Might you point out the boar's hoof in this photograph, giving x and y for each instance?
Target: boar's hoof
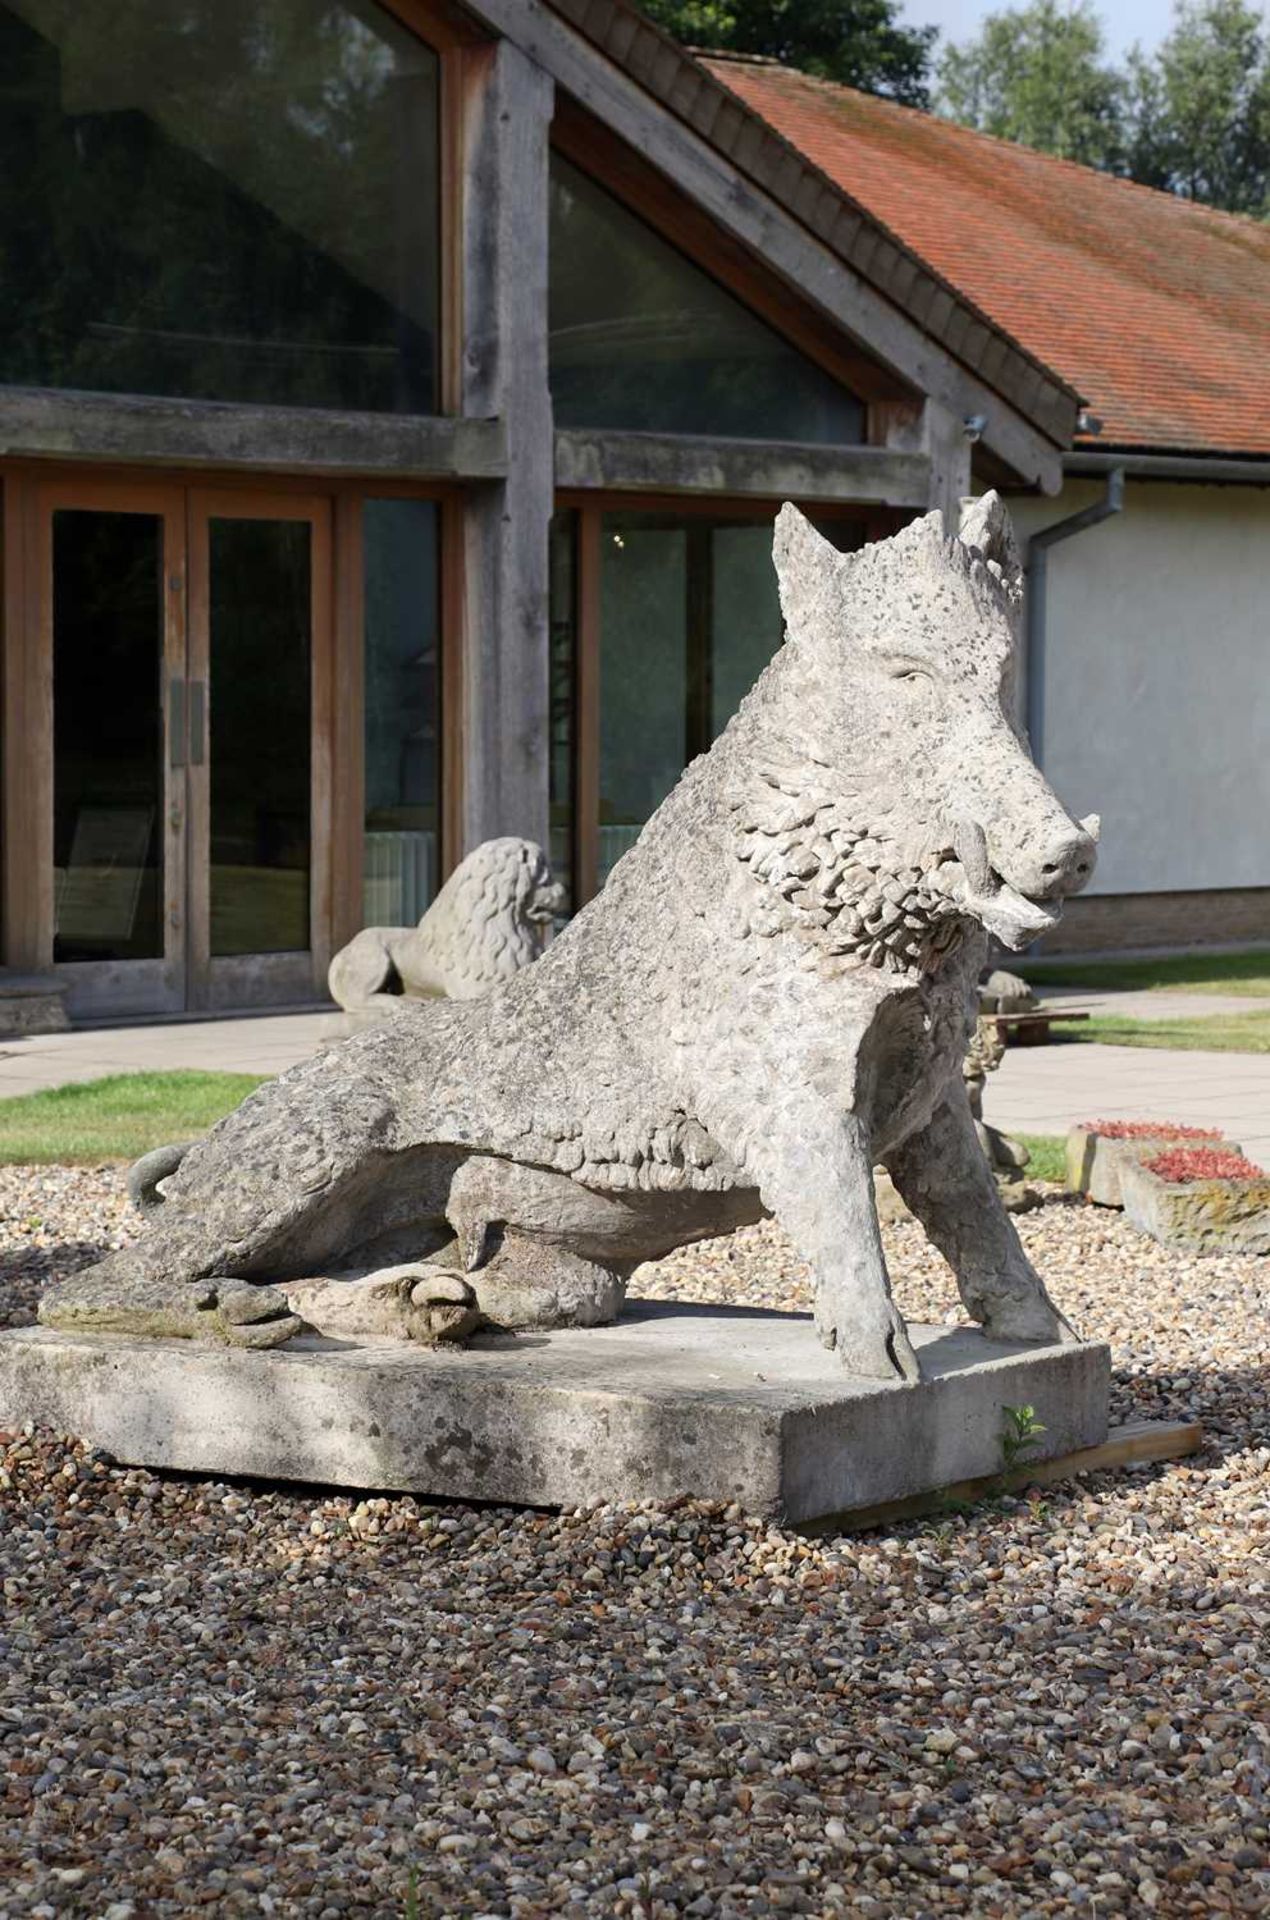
(1038, 1321)
(880, 1352)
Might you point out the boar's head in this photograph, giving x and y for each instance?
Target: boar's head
(894, 698)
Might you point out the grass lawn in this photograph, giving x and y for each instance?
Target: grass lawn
(118, 1118)
(1247, 972)
(1213, 1033)
(1048, 1158)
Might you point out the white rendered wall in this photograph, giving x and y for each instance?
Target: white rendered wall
(1157, 681)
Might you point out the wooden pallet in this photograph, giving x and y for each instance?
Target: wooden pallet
(1139, 1443)
(1031, 1029)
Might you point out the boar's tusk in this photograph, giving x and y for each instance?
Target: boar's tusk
(1092, 825)
(971, 847)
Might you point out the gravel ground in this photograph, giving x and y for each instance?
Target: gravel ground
(249, 1701)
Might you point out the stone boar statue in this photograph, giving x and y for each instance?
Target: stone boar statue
(773, 993)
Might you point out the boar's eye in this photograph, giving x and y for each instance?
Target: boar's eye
(911, 672)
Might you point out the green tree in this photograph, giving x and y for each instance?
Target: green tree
(1199, 115)
(859, 42)
(1036, 74)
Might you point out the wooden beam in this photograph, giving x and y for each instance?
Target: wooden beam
(204, 433)
(1138, 1443)
(28, 744)
(681, 464)
(506, 636)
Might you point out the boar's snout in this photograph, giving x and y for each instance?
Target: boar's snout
(1061, 865)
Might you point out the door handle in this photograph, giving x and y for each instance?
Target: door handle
(176, 723)
(198, 722)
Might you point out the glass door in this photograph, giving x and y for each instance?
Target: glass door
(111, 608)
(259, 748)
(187, 642)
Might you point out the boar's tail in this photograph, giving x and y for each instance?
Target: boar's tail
(146, 1175)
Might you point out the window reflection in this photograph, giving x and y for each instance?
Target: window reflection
(403, 710)
(107, 776)
(222, 199)
(260, 632)
(689, 617)
(643, 339)
(563, 617)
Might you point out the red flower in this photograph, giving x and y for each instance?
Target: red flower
(1149, 1130)
(1181, 1165)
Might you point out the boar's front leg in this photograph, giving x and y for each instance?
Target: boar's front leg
(811, 1162)
(944, 1178)
(815, 1172)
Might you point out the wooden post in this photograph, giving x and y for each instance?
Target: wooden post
(28, 745)
(931, 429)
(506, 106)
(948, 445)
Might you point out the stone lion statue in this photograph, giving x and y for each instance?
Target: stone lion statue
(490, 919)
(773, 992)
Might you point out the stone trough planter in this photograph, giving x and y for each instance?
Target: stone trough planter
(1199, 1202)
(1098, 1149)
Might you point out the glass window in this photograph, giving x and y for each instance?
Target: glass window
(259, 633)
(219, 199)
(644, 676)
(745, 617)
(643, 339)
(562, 769)
(689, 617)
(401, 849)
(107, 740)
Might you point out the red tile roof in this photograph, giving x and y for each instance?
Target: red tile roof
(1156, 309)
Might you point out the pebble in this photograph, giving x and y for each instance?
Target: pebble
(245, 1700)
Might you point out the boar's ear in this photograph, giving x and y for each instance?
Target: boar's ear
(805, 562)
(985, 525)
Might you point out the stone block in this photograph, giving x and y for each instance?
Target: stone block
(1198, 1216)
(1095, 1162)
(723, 1404)
(29, 1004)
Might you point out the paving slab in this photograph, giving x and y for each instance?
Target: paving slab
(721, 1404)
(264, 1044)
(1155, 1003)
(1049, 1089)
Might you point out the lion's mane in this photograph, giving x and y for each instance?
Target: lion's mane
(476, 934)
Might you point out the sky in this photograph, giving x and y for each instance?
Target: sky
(1124, 21)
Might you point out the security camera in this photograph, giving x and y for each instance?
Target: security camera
(974, 424)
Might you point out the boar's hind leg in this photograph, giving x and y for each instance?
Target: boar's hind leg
(943, 1177)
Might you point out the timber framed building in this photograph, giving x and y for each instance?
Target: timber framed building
(394, 403)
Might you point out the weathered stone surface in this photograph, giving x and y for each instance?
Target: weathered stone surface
(1198, 1216)
(737, 1405)
(491, 918)
(772, 993)
(30, 1003)
(1095, 1163)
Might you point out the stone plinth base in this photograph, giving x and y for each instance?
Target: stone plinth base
(30, 1003)
(723, 1404)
